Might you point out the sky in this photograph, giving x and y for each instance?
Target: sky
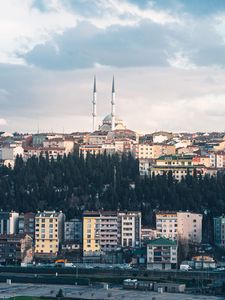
(167, 56)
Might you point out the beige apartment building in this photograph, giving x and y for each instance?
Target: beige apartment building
(153, 151)
(183, 226)
(49, 232)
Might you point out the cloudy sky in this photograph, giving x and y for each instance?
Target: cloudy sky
(168, 58)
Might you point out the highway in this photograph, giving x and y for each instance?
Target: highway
(106, 273)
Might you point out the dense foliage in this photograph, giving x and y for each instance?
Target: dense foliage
(73, 184)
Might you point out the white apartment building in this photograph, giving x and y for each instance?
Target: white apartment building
(8, 222)
(129, 228)
(185, 226)
(217, 160)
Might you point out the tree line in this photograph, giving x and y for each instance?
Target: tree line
(73, 184)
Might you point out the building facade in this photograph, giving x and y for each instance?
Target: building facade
(8, 222)
(183, 226)
(104, 231)
(161, 254)
(16, 248)
(26, 224)
(219, 231)
(49, 232)
(129, 227)
(73, 231)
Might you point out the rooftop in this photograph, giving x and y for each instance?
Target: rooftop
(162, 241)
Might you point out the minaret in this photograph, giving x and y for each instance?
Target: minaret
(113, 105)
(94, 114)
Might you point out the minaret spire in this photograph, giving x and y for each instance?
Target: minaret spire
(94, 102)
(113, 104)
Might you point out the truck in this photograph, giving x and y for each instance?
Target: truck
(185, 268)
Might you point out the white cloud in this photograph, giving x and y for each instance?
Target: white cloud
(181, 61)
(22, 27)
(124, 13)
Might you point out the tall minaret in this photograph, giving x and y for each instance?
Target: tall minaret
(113, 104)
(94, 113)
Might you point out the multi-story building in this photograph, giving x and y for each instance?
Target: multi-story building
(26, 224)
(129, 226)
(183, 226)
(91, 233)
(180, 166)
(49, 232)
(149, 234)
(106, 230)
(9, 152)
(219, 231)
(202, 160)
(217, 160)
(16, 248)
(161, 254)
(73, 231)
(51, 152)
(91, 149)
(153, 151)
(62, 143)
(8, 222)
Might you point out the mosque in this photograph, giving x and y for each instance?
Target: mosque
(111, 122)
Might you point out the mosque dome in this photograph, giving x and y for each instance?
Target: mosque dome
(108, 119)
(107, 123)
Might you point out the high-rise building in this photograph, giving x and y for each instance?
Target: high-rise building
(91, 230)
(129, 228)
(49, 232)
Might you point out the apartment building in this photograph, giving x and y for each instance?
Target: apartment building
(217, 160)
(153, 151)
(49, 232)
(51, 152)
(91, 233)
(26, 224)
(180, 166)
(219, 231)
(91, 149)
(73, 231)
(185, 226)
(66, 144)
(129, 228)
(9, 152)
(16, 248)
(106, 230)
(8, 222)
(161, 254)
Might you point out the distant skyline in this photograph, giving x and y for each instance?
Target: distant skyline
(168, 58)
